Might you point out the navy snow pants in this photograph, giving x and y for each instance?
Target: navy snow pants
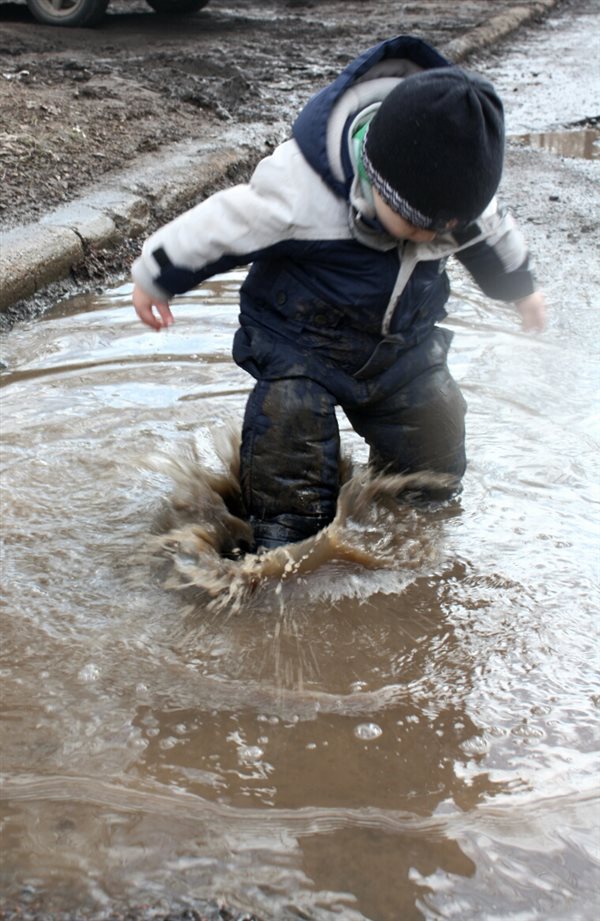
(290, 472)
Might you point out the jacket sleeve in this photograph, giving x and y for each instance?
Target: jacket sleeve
(230, 228)
(497, 257)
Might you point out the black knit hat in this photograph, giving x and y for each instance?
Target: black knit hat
(435, 147)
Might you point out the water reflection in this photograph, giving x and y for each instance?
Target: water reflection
(583, 143)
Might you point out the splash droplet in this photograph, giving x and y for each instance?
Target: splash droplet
(250, 754)
(89, 673)
(367, 731)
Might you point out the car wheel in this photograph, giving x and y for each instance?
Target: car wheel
(68, 12)
(176, 7)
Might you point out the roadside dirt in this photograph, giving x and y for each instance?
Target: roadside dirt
(77, 104)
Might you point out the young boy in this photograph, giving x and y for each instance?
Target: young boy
(348, 225)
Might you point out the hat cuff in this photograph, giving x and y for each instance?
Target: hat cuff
(393, 198)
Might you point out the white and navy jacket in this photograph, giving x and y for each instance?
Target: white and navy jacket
(323, 272)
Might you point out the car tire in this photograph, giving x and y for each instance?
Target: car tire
(68, 12)
(176, 7)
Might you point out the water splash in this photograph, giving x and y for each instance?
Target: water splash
(201, 528)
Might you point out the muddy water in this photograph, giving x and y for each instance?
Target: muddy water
(414, 740)
(583, 143)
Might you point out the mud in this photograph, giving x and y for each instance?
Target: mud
(29, 910)
(76, 104)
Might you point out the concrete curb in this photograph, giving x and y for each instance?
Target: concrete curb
(496, 28)
(35, 255)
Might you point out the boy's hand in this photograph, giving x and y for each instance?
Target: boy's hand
(144, 305)
(533, 312)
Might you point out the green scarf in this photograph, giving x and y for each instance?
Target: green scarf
(358, 139)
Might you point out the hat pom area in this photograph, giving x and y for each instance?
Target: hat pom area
(435, 148)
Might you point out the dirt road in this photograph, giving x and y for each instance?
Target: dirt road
(79, 105)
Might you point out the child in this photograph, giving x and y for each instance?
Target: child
(348, 225)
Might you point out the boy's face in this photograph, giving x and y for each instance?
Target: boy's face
(397, 226)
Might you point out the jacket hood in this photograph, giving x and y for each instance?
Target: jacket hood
(323, 123)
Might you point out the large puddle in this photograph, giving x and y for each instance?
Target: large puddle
(410, 742)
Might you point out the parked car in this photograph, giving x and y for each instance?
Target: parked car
(90, 12)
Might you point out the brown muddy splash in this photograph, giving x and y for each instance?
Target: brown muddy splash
(201, 528)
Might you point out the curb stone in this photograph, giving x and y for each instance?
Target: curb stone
(36, 255)
(495, 29)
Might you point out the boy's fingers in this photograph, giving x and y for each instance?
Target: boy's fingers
(146, 314)
(533, 312)
(166, 317)
(534, 320)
